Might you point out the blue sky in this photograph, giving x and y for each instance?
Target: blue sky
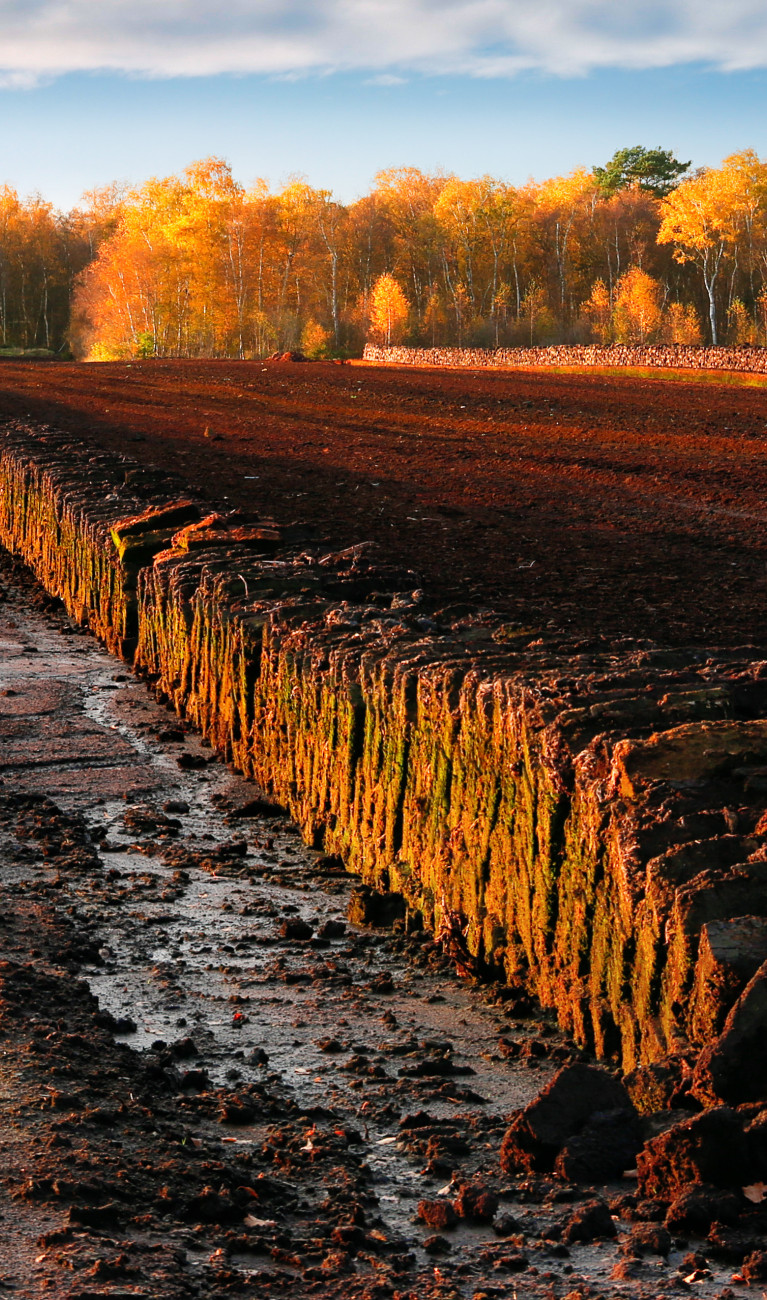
(97, 90)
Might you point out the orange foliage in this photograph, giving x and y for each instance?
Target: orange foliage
(638, 307)
(195, 265)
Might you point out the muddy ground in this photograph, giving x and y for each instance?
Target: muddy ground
(603, 507)
(213, 1082)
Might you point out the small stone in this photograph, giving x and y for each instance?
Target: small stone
(626, 1270)
(506, 1226)
(695, 1259)
(184, 1048)
(236, 1112)
(514, 1262)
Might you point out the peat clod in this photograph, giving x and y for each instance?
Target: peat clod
(476, 1203)
(699, 1205)
(590, 1222)
(708, 1148)
(755, 1267)
(607, 1145)
(438, 1214)
(567, 1125)
(734, 1067)
(730, 953)
(663, 1085)
(371, 907)
(647, 1239)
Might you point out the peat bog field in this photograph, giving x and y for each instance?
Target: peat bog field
(607, 507)
(229, 1068)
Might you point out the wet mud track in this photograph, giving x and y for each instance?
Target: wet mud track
(213, 1082)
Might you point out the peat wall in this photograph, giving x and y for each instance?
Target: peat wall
(587, 822)
(663, 356)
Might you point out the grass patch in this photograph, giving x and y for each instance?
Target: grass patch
(26, 354)
(733, 378)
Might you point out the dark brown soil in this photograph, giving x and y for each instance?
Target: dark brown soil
(246, 1110)
(123, 1169)
(600, 506)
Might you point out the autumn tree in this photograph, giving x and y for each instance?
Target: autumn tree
(315, 339)
(564, 208)
(187, 268)
(405, 198)
(389, 310)
(681, 324)
(477, 222)
(742, 328)
(34, 272)
(535, 315)
(638, 307)
(702, 219)
(749, 181)
(598, 310)
(195, 265)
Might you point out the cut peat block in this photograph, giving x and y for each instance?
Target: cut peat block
(584, 824)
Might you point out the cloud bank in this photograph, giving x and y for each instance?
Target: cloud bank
(384, 39)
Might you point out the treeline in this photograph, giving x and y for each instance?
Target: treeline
(637, 251)
(42, 253)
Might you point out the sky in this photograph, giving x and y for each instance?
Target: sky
(93, 91)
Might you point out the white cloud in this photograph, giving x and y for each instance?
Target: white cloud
(386, 79)
(384, 38)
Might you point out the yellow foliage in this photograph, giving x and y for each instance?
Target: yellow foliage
(101, 351)
(702, 212)
(314, 339)
(535, 314)
(389, 310)
(742, 324)
(566, 193)
(434, 316)
(681, 324)
(706, 216)
(599, 311)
